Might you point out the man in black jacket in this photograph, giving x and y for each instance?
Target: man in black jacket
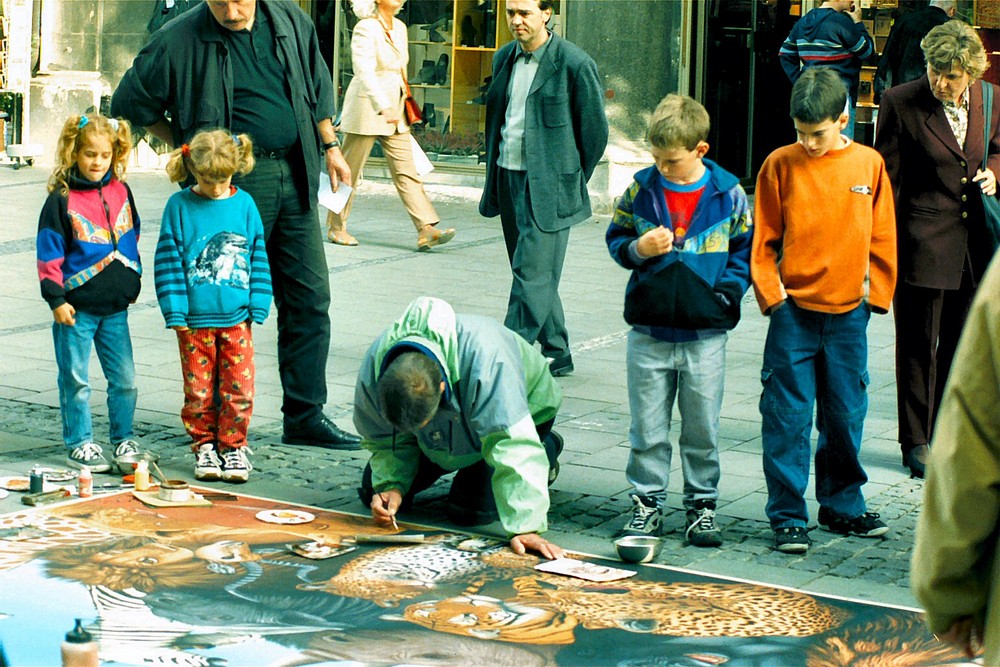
(902, 60)
(255, 66)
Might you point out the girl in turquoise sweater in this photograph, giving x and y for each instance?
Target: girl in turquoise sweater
(212, 281)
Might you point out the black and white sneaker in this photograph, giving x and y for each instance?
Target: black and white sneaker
(866, 525)
(91, 455)
(126, 447)
(236, 466)
(792, 540)
(701, 530)
(646, 516)
(208, 465)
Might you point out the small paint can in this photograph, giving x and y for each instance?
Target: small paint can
(36, 480)
(174, 491)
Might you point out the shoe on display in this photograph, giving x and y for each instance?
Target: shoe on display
(427, 73)
(429, 115)
(441, 70)
(468, 32)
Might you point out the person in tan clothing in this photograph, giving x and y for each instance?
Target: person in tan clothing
(373, 111)
(823, 259)
(954, 572)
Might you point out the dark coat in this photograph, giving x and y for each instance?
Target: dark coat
(185, 70)
(902, 59)
(939, 212)
(566, 133)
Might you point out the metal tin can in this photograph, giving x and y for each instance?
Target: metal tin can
(36, 481)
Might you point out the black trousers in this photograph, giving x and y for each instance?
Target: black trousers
(300, 280)
(471, 490)
(928, 326)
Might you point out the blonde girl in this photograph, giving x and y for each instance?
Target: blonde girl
(89, 269)
(212, 281)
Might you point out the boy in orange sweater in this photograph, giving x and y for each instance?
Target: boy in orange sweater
(823, 259)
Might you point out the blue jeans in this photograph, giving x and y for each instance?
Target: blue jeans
(693, 374)
(110, 336)
(814, 358)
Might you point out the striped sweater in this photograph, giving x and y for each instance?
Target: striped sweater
(825, 37)
(211, 268)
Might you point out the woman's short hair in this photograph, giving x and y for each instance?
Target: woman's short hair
(955, 43)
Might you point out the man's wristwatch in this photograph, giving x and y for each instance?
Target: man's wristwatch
(331, 144)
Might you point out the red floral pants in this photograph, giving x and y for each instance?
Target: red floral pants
(222, 358)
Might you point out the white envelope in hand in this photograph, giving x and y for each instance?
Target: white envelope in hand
(328, 199)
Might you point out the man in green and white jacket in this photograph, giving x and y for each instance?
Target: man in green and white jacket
(439, 392)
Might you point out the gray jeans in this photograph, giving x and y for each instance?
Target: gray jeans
(694, 374)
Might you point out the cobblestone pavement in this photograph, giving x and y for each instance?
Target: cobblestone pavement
(371, 285)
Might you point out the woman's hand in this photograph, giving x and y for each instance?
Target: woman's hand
(389, 116)
(987, 181)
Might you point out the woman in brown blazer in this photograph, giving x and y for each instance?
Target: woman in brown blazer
(930, 132)
(373, 111)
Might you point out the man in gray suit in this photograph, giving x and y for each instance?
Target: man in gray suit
(545, 132)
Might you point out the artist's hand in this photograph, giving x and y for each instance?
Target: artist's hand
(385, 505)
(64, 314)
(337, 167)
(655, 242)
(987, 181)
(966, 634)
(521, 543)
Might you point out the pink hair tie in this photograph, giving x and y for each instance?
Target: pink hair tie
(185, 150)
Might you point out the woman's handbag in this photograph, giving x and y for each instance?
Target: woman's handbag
(991, 205)
(410, 105)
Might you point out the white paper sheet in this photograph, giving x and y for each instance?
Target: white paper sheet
(328, 199)
(420, 160)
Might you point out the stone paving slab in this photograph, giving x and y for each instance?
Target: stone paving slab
(371, 285)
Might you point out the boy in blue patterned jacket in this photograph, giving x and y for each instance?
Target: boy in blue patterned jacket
(684, 229)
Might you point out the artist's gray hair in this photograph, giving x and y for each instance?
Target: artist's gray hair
(367, 9)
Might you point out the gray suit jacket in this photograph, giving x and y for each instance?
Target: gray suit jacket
(565, 135)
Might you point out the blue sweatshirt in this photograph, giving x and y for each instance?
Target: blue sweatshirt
(211, 268)
(694, 290)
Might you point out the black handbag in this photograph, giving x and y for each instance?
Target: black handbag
(991, 205)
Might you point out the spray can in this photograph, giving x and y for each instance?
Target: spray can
(36, 480)
(79, 649)
(142, 476)
(86, 482)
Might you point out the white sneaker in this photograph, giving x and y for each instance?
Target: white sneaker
(236, 466)
(91, 455)
(208, 466)
(126, 447)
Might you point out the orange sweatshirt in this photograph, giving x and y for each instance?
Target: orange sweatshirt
(822, 226)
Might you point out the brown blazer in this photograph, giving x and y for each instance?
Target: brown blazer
(939, 213)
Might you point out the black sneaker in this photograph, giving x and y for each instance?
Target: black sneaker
(792, 540)
(701, 529)
(866, 525)
(646, 517)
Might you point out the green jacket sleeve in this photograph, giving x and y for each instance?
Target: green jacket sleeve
(520, 478)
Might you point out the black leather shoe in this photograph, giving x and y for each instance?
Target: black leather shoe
(916, 460)
(320, 432)
(562, 366)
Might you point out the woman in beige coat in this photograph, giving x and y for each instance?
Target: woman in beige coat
(373, 110)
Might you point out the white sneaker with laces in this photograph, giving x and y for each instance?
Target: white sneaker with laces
(126, 447)
(91, 455)
(208, 465)
(236, 465)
